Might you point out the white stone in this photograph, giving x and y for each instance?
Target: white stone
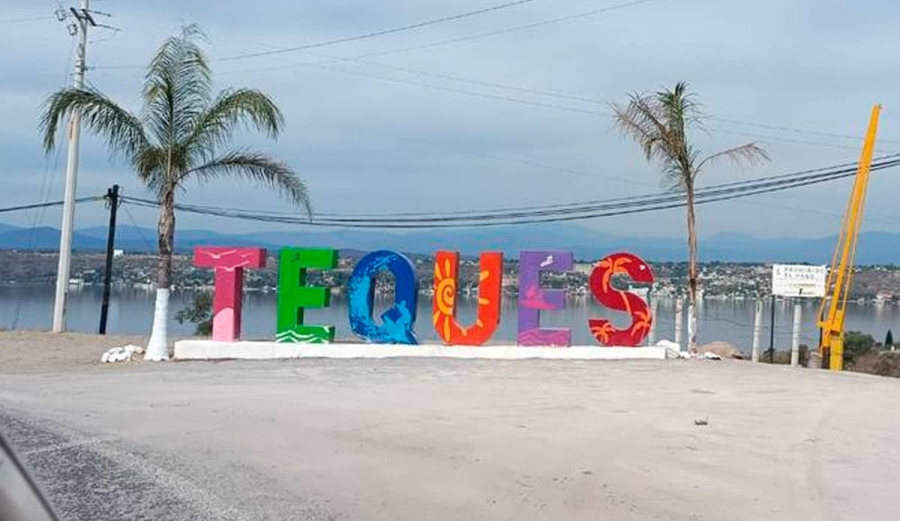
(668, 344)
(120, 354)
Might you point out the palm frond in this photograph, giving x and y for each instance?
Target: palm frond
(256, 167)
(750, 154)
(151, 165)
(177, 86)
(123, 131)
(231, 110)
(642, 120)
(680, 107)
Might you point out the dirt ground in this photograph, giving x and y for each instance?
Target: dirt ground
(43, 352)
(448, 440)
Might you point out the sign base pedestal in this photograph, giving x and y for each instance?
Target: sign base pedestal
(250, 350)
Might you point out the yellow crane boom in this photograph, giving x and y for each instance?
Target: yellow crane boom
(831, 323)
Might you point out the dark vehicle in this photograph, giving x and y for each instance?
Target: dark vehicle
(20, 498)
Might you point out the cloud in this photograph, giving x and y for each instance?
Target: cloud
(373, 138)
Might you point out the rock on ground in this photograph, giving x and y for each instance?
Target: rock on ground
(723, 349)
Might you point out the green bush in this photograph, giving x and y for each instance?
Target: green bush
(856, 344)
(198, 313)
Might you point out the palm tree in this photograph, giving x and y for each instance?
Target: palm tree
(177, 137)
(658, 122)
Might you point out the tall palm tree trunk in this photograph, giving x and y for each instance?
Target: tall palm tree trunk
(692, 271)
(158, 347)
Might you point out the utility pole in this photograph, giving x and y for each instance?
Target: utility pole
(757, 330)
(679, 316)
(651, 336)
(772, 331)
(112, 196)
(795, 336)
(83, 20)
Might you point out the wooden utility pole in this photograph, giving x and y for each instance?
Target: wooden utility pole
(112, 199)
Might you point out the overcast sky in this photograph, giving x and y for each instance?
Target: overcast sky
(370, 137)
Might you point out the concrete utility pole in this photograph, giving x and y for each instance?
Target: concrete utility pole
(757, 331)
(679, 315)
(651, 336)
(83, 20)
(795, 337)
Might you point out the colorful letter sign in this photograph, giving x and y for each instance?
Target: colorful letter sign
(620, 300)
(446, 280)
(229, 264)
(533, 299)
(396, 325)
(294, 295)
(398, 321)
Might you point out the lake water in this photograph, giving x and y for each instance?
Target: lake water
(131, 312)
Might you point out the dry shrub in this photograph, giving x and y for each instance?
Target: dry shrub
(883, 364)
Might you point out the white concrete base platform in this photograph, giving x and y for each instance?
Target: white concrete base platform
(249, 350)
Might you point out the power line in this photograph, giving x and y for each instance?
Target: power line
(134, 223)
(581, 173)
(358, 59)
(364, 36)
(763, 137)
(420, 24)
(463, 91)
(373, 34)
(46, 204)
(802, 175)
(792, 129)
(26, 19)
(533, 25)
(331, 59)
(542, 104)
(553, 213)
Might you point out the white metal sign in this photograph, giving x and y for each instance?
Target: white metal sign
(798, 280)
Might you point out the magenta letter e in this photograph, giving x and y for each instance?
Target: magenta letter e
(532, 299)
(229, 264)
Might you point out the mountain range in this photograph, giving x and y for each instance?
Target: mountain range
(874, 247)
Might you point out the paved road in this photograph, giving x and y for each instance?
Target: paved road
(445, 439)
(89, 479)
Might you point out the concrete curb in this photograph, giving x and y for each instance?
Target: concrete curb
(247, 350)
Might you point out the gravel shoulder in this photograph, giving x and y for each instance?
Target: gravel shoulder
(30, 352)
(455, 439)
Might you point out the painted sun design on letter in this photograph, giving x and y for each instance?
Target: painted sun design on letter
(445, 301)
(444, 298)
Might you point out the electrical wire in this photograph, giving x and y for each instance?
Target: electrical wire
(47, 179)
(815, 173)
(358, 59)
(26, 19)
(581, 173)
(784, 128)
(331, 59)
(134, 223)
(555, 213)
(373, 34)
(358, 37)
(47, 204)
(524, 27)
(579, 110)
(523, 217)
